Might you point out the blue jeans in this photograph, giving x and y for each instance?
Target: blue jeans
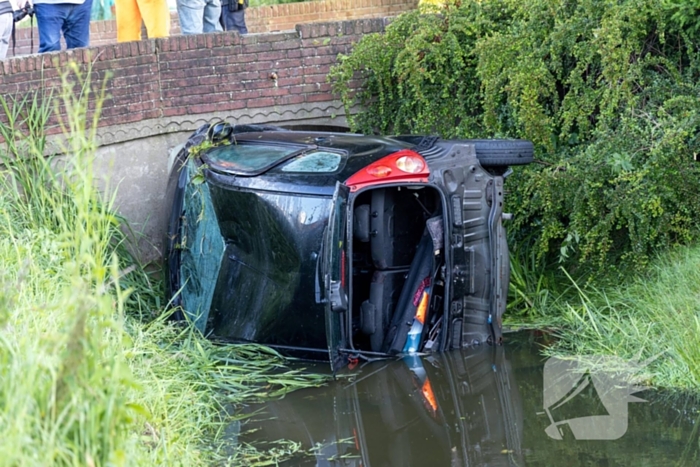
(198, 16)
(71, 19)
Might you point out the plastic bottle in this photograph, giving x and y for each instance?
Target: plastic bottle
(413, 339)
(416, 331)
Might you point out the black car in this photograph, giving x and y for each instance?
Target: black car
(362, 245)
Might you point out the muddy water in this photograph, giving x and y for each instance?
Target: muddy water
(477, 408)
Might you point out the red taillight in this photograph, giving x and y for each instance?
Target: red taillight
(410, 164)
(379, 171)
(402, 166)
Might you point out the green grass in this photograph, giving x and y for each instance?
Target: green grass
(530, 288)
(87, 381)
(655, 317)
(651, 314)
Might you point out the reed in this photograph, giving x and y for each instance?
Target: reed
(654, 318)
(87, 381)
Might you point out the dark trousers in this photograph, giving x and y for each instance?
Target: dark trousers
(233, 20)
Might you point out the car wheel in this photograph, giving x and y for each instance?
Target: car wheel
(503, 152)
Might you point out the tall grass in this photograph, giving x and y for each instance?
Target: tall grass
(85, 381)
(530, 290)
(656, 318)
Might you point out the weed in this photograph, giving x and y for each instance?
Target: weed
(87, 380)
(655, 317)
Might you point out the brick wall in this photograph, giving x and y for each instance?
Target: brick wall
(285, 17)
(181, 76)
(259, 20)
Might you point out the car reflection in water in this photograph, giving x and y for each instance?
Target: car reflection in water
(459, 408)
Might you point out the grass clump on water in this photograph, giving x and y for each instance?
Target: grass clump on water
(87, 381)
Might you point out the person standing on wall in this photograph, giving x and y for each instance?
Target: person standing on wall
(70, 17)
(154, 13)
(7, 20)
(198, 16)
(233, 15)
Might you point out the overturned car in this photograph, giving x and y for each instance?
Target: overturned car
(363, 246)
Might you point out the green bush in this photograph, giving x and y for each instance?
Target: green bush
(607, 90)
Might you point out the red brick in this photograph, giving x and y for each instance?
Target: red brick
(227, 51)
(202, 108)
(320, 97)
(233, 105)
(269, 56)
(285, 45)
(291, 99)
(172, 112)
(256, 48)
(320, 60)
(273, 92)
(288, 82)
(260, 102)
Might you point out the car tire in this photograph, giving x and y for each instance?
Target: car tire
(503, 152)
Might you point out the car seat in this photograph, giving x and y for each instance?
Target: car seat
(393, 237)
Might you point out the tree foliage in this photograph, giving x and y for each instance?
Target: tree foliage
(606, 89)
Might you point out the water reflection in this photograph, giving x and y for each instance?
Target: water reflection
(468, 408)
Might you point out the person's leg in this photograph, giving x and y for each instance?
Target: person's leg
(6, 22)
(76, 28)
(238, 21)
(222, 16)
(49, 21)
(226, 15)
(128, 20)
(212, 13)
(234, 20)
(191, 14)
(156, 16)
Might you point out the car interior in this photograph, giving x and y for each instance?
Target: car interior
(396, 250)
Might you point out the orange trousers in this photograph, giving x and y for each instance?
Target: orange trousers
(154, 13)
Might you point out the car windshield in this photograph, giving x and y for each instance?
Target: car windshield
(248, 157)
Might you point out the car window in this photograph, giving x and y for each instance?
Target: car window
(314, 162)
(248, 157)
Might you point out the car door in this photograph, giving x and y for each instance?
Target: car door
(333, 274)
(477, 267)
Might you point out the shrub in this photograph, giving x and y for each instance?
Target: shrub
(605, 89)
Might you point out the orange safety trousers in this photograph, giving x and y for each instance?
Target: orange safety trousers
(154, 13)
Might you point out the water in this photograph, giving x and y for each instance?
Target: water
(472, 408)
